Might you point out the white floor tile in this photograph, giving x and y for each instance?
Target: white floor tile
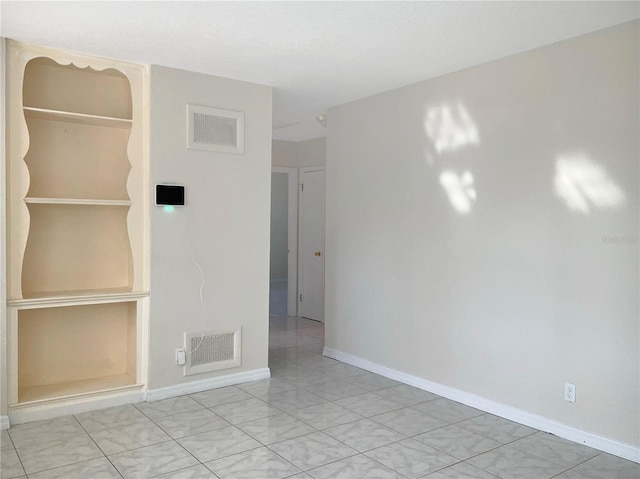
(152, 461)
(213, 445)
(411, 458)
(312, 450)
(99, 468)
(261, 463)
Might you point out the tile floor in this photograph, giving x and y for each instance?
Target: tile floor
(316, 418)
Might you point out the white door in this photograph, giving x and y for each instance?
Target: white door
(311, 250)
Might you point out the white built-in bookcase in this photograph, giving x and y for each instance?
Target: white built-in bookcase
(77, 262)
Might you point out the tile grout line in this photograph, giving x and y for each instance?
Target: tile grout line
(228, 455)
(364, 453)
(191, 435)
(99, 448)
(194, 458)
(127, 450)
(17, 454)
(579, 464)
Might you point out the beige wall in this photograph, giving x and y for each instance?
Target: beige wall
(290, 154)
(224, 225)
(3, 249)
(284, 153)
(482, 232)
(312, 152)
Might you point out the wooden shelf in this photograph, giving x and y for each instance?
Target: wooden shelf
(76, 201)
(75, 388)
(71, 117)
(78, 297)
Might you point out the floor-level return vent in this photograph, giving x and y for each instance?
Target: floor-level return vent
(212, 351)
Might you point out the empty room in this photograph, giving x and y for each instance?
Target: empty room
(346, 240)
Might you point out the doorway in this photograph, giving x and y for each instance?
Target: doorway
(283, 254)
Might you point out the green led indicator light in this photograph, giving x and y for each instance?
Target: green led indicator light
(169, 208)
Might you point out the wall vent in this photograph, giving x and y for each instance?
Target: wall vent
(213, 129)
(214, 351)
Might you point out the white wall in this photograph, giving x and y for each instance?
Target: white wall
(279, 264)
(299, 154)
(469, 231)
(224, 226)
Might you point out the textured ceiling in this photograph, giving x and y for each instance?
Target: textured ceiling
(315, 54)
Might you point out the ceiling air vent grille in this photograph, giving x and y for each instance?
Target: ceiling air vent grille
(212, 351)
(213, 129)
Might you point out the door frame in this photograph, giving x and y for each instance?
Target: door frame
(292, 238)
(308, 169)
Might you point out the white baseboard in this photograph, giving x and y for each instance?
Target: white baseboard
(620, 449)
(204, 384)
(38, 412)
(41, 411)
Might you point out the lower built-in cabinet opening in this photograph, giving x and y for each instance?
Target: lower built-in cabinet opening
(73, 249)
(71, 350)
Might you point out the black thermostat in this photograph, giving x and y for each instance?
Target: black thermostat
(169, 195)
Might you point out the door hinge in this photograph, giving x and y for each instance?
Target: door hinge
(300, 297)
(302, 186)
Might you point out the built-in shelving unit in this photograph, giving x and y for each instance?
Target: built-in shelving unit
(78, 269)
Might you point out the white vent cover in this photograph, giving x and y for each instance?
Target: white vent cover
(212, 351)
(213, 129)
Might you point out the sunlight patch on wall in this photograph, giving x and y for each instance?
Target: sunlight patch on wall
(584, 185)
(460, 189)
(450, 127)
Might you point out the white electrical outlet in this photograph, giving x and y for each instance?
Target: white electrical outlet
(181, 357)
(569, 392)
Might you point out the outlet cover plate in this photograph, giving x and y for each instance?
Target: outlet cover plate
(570, 392)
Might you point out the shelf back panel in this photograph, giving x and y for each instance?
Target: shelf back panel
(76, 248)
(71, 160)
(65, 346)
(50, 85)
